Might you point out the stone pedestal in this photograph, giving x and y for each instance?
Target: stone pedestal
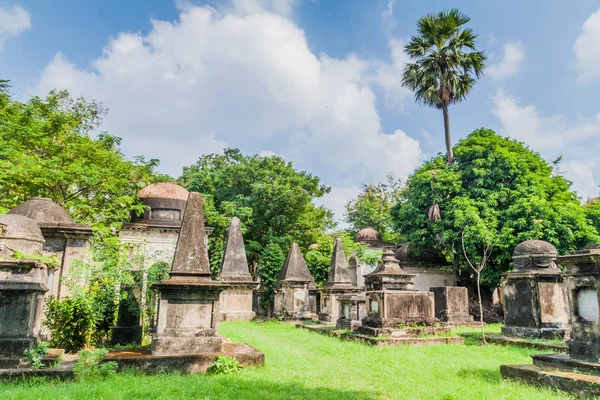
(188, 315)
(236, 302)
(352, 311)
(22, 288)
(452, 304)
(534, 298)
(390, 304)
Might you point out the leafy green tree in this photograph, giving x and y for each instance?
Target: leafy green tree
(273, 201)
(592, 210)
(499, 193)
(48, 150)
(444, 70)
(372, 208)
(271, 261)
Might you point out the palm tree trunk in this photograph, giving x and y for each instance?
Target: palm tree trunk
(447, 134)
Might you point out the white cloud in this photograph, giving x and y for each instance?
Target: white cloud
(13, 22)
(509, 64)
(555, 135)
(581, 173)
(389, 75)
(587, 49)
(284, 8)
(336, 201)
(213, 79)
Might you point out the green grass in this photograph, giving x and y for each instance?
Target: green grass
(306, 365)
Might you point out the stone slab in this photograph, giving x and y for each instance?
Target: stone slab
(381, 341)
(527, 343)
(247, 355)
(565, 363)
(580, 385)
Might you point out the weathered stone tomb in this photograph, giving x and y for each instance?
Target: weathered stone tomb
(22, 284)
(236, 300)
(389, 301)
(188, 310)
(292, 287)
(534, 298)
(338, 284)
(452, 305)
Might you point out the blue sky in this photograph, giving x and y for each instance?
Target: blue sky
(316, 82)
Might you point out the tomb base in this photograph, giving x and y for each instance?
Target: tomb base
(124, 335)
(16, 346)
(548, 332)
(558, 371)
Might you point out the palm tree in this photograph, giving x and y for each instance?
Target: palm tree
(444, 70)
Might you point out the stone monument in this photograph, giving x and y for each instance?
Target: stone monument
(22, 284)
(65, 239)
(338, 284)
(292, 287)
(389, 301)
(452, 305)
(578, 371)
(236, 300)
(534, 298)
(188, 310)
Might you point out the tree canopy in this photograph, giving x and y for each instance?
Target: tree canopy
(498, 193)
(446, 63)
(371, 208)
(48, 150)
(273, 200)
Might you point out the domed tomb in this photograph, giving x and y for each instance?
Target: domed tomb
(19, 233)
(166, 201)
(44, 212)
(533, 254)
(407, 253)
(65, 239)
(368, 235)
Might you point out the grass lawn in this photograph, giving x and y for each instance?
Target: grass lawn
(306, 365)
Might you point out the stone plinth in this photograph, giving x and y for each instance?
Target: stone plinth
(390, 303)
(534, 299)
(352, 311)
(188, 315)
(22, 288)
(452, 304)
(236, 301)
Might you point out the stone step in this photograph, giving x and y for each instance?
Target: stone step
(581, 385)
(565, 363)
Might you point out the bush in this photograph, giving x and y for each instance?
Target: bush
(90, 365)
(34, 356)
(71, 322)
(224, 365)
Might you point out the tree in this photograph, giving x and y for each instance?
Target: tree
(372, 208)
(502, 191)
(443, 73)
(273, 201)
(48, 150)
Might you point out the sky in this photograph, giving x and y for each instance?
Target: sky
(316, 82)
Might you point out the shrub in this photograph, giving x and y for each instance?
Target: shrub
(34, 356)
(71, 322)
(90, 365)
(224, 365)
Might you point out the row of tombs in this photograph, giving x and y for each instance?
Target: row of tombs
(402, 290)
